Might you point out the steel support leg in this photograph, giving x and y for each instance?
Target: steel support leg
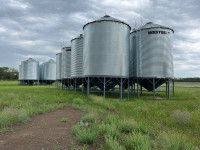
(121, 89)
(131, 87)
(68, 84)
(173, 86)
(154, 88)
(104, 87)
(82, 85)
(138, 95)
(88, 87)
(128, 87)
(75, 84)
(168, 88)
(141, 89)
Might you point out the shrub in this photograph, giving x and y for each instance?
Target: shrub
(111, 119)
(64, 120)
(105, 103)
(172, 141)
(90, 117)
(109, 130)
(127, 126)
(112, 143)
(181, 117)
(10, 116)
(78, 101)
(137, 141)
(84, 135)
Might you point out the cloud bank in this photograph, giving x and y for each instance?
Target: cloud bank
(37, 28)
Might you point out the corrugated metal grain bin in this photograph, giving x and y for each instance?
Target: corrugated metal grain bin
(106, 48)
(50, 70)
(30, 69)
(77, 56)
(42, 71)
(20, 72)
(58, 66)
(66, 62)
(152, 51)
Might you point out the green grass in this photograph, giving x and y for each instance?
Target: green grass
(157, 124)
(84, 135)
(18, 103)
(137, 141)
(112, 144)
(128, 125)
(64, 120)
(90, 117)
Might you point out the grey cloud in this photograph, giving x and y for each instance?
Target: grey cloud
(37, 28)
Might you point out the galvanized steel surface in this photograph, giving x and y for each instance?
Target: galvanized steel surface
(50, 70)
(107, 18)
(59, 66)
(20, 72)
(152, 54)
(42, 71)
(106, 48)
(66, 62)
(30, 69)
(77, 57)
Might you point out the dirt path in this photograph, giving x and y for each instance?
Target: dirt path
(43, 132)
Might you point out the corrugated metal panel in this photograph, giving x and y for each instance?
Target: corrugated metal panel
(30, 69)
(151, 25)
(66, 62)
(20, 72)
(77, 57)
(106, 48)
(152, 53)
(50, 70)
(42, 71)
(59, 66)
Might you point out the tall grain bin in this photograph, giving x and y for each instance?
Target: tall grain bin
(42, 71)
(50, 70)
(30, 69)
(66, 62)
(22, 70)
(58, 66)
(77, 57)
(106, 48)
(152, 52)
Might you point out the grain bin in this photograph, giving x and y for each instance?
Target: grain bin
(30, 69)
(77, 57)
(58, 66)
(152, 51)
(20, 72)
(42, 71)
(66, 62)
(106, 48)
(50, 70)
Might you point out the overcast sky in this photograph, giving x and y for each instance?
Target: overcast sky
(35, 28)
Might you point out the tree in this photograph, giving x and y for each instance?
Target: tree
(7, 73)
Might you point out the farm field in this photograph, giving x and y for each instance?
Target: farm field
(135, 123)
(188, 84)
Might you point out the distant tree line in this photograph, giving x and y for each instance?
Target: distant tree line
(7, 73)
(196, 79)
